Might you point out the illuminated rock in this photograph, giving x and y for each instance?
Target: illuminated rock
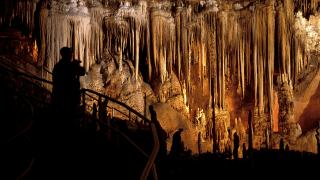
(223, 55)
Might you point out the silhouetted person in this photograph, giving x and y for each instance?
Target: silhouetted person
(66, 84)
(318, 138)
(267, 138)
(236, 141)
(281, 146)
(287, 149)
(250, 134)
(103, 105)
(244, 151)
(66, 99)
(228, 152)
(153, 113)
(199, 142)
(100, 104)
(177, 147)
(162, 134)
(66, 104)
(94, 110)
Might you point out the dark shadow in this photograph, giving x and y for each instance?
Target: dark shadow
(162, 134)
(318, 138)
(66, 83)
(236, 142)
(57, 128)
(281, 146)
(311, 114)
(244, 151)
(177, 147)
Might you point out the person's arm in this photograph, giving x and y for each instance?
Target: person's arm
(80, 70)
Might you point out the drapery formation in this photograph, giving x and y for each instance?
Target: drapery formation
(19, 13)
(72, 26)
(245, 44)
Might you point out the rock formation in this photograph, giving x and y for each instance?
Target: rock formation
(223, 55)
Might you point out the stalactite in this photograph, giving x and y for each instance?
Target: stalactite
(255, 63)
(163, 38)
(270, 62)
(97, 15)
(22, 10)
(137, 48)
(68, 31)
(148, 44)
(243, 49)
(242, 64)
(178, 40)
(307, 6)
(261, 60)
(154, 44)
(189, 64)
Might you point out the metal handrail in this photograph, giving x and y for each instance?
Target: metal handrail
(118, 102)
(150, 164)
(8, 65)
(94, 98)
(130, 141)
(19, 73)
(155, 150)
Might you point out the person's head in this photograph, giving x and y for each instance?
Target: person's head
(66, 53)
(281, 140)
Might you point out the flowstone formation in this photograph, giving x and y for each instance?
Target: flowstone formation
(209, 61)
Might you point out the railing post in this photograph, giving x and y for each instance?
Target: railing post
(155, 150)
(145, 104)
(109, 124)
(42, 75)
(94, 110)
(83, 100)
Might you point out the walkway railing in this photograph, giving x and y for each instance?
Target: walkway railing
(131, 114)
(150, 164)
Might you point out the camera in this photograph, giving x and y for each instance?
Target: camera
(76, 61)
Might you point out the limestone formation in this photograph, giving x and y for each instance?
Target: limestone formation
(226, 56)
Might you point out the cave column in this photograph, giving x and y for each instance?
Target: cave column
(137, 51)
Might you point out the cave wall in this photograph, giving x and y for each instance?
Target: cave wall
(234, 56)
